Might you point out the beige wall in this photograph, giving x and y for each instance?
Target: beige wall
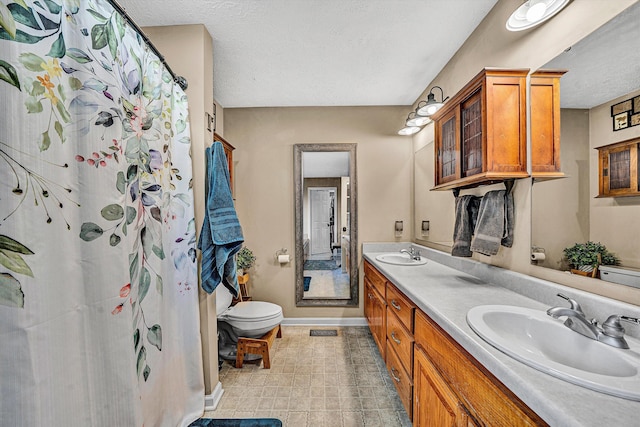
(264, 139)
(560, 207)
(614, 220)
(189, 51)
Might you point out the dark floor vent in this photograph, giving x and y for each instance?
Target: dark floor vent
(323, 333)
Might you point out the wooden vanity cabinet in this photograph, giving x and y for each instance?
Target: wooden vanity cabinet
(480, 133)
(459, 390)
(375, 306)
(399, 353)
(618, 169)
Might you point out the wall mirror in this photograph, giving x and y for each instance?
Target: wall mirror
(602, 70)
(326, 231)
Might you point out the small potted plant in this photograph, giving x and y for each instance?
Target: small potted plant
(584, 258)
(244, 260)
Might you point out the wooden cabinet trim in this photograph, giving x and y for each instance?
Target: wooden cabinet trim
(486, 398)
(605, 172)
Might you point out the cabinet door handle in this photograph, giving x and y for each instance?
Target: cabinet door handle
(393, 337)
(393, 374)
(395, 305)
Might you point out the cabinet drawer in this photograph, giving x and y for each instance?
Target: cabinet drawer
(400, 306)
(376, 278)
(486, 398)
(400, 340)
(400, 379)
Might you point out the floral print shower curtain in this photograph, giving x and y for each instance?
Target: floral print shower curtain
(99, 317)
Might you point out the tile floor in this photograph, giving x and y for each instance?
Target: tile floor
(315, 382)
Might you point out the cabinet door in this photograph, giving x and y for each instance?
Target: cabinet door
(619, 170)
(375, 312)
(472, 133)
(435, 405)
(447, 137)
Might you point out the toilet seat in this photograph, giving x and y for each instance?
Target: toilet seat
(250, 319)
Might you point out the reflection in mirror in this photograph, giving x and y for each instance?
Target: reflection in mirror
(325, 223)
(602, 71)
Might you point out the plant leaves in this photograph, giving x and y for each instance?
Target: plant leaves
(145, 282)
(134, 267)
(114, 239)
(99, 36)
(31, 61)
(136, 339)
(75, 83)
(53, 7)
(158, 251)
(112, 212)
(59, 130)
(6, 21)
(12, 245)
(64, 114)
(142, 358)
(14, 262)
(159, 284)
(131, 214)
(78, 55)
(112, 41)
(58, 48)
(154, 335)
(146, 372)
(98, 16)
(95, 84)
(45, 141)
(11, 294)
(33, 104)
(90, 231)
(24, 16)
(8, 74)
(120, 183)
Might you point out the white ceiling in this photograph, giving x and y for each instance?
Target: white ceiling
(325, 164)
(322, 52)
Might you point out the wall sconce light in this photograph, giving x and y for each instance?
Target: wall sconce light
(413, 123)
(431, 105)
(534, 12)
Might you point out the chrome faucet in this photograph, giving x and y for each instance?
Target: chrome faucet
(611, 332)
(412, 252)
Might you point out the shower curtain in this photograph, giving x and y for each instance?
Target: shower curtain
(99, 317)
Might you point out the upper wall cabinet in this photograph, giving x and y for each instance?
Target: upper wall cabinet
(545, 124)
(481, 133)
(618, 166)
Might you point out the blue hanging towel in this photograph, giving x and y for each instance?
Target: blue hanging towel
(221, 235)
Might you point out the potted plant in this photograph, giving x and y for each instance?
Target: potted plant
(584, 258)
(244, 260)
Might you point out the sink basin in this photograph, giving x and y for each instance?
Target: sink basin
(397, 258)
(544, 343)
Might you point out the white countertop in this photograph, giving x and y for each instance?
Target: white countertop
(446, 294)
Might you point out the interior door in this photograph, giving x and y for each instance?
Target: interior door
(320, 207)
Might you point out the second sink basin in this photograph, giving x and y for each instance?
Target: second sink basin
(544, 343)
(397, 258)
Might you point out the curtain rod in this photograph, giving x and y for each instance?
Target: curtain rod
(181, 81)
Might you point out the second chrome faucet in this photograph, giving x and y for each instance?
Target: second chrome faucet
(611, 332)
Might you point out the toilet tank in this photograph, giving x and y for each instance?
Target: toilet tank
(621, 275)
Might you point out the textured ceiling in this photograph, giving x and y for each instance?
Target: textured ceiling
(322, 52)
(603, 66)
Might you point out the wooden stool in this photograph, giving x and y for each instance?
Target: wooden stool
(258, 346)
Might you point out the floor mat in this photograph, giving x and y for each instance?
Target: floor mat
(236, 422)
(318, 264)
(323, 333)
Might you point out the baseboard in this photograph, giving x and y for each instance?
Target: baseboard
(324, 321)
(211, 400)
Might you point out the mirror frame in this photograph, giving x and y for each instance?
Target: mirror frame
(352, 301)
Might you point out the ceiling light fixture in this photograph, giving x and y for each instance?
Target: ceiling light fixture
(431, 105)
(534, 12)
(415, 120)
(409, 130)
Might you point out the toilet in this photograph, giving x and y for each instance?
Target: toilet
(249, 319)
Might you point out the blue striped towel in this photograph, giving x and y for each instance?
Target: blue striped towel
(221, 235)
